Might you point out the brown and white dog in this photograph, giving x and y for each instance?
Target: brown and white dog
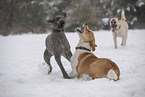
(119, 29)
(84, 62)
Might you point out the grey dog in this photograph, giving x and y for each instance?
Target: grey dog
(57, 44)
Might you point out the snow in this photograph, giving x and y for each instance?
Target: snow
(23, 72)
(105, 20)
(140, 3)
(128, 8)
(118, 11)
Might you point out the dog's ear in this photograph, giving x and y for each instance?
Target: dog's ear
(93, 48)
(93, 45)
(50, 21)
(92, 41)
(110, 21)
(78, 30)
(64, 14)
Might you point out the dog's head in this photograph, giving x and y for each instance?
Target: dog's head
(87, 35)
(114, 24)
(58, 22)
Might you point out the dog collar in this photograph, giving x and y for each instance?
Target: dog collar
(57, 30)
(113, 30)
(83, 48)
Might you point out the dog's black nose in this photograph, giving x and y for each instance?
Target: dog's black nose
(86, 23)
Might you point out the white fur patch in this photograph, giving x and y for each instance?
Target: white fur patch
(86, 77)
(112, 75)
(74, 58)
(78, 52)
(74, 62)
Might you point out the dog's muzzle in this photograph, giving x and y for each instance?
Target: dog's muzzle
(61, 23)
(114, 26)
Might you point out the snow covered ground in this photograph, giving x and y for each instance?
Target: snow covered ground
(23, 72)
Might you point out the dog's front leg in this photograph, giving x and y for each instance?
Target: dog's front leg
(73, 65)
(73, 72)
(58, 60)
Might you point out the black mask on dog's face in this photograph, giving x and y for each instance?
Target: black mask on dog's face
(113, 25)
(58, 22)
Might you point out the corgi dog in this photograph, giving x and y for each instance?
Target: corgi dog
(84, 62)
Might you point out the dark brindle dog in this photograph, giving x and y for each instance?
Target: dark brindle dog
(57, 44)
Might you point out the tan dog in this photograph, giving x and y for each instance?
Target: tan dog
(119, 29)
(84, 62)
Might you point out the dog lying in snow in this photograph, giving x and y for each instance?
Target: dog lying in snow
(85, 62)
(57, 44)
(119, 29)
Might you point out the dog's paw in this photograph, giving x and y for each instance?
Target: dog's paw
(66, 77)
(72, 75)
(121, 44)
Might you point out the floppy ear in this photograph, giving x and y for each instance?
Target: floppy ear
(50, 21)
(110, 22)
(78, 30)
(64, 14)
(93, 45)
(92, 41)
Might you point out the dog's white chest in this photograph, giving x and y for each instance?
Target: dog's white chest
(74, 62)
(118, 33)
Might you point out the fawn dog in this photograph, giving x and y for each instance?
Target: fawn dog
(119, 29)
(85, 62)
(57, 44)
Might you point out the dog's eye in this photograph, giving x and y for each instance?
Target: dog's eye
(114, 21)
(111, 21)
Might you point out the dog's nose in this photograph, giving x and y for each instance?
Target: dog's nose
(86, 23)
(112, 26)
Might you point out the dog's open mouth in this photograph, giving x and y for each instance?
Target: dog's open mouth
(61, 26)
(114, 28)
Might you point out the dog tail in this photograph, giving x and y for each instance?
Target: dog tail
(112, 75)
(123, 15)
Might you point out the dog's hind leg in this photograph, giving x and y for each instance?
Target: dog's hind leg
(115, 41)
(58, 60)
(123, 41)
(47, 56)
